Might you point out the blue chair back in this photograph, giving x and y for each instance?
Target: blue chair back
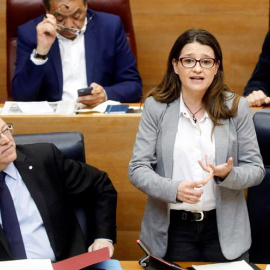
(258, 198)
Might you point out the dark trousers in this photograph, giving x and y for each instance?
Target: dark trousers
(195, 240)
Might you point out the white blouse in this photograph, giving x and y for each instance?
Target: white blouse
(193, 142)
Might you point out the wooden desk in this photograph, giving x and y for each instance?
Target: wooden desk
(109, 141)
(134, 265)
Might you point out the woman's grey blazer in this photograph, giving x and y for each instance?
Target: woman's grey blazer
(151, 167)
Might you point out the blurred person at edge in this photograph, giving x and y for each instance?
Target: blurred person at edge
(257, 90)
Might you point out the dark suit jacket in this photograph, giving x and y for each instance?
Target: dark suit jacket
(260, 79)
(109, 62)
(56, 184)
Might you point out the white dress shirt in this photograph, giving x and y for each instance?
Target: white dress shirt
(73, 65)
(193, 142)
(35, 238)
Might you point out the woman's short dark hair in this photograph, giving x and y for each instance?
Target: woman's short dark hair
(47, 3)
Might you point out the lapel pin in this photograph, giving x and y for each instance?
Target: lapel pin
(30, 167)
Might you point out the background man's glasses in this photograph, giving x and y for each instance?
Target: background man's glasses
(7, 130)
(74, 31)
(60, 27)
(190, 62)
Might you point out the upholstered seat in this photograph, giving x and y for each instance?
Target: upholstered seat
(21, 11)
(258, 198)
(70, 143)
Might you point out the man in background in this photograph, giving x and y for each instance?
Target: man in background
(257, 89)
(72, 47)
(40, 186)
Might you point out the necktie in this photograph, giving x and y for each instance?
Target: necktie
(10, 222)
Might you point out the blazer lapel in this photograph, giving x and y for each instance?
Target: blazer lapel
(90, 47)
(29, 174)
(222, 141)
(169, 129)
(56, 61)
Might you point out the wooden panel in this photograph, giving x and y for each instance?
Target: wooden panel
(240, 26)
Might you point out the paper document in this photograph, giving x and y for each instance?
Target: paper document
(42, 107)
(29, 264)
(63, 107)
(239, 265)
(73, 263)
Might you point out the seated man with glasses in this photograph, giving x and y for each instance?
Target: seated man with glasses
(38, 186)
(70, 48)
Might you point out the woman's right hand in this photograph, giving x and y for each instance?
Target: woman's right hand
(191, 191)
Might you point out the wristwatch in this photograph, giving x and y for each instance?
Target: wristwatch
(40, 56)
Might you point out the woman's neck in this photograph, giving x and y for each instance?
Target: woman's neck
(194, 106)
(193, 101)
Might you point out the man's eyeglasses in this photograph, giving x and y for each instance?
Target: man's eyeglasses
(74, 31)
(190, 62)
(60, 27)
(7, 130)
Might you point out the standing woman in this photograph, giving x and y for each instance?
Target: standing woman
(195, 152)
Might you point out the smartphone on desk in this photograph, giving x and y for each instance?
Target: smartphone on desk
(85, 91)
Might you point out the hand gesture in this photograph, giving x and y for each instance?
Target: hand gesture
(191, 191)
(221, 170)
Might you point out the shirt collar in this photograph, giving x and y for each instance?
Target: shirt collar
(183, 111)
(11, 171)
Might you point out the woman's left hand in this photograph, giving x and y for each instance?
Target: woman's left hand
(221, 170)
